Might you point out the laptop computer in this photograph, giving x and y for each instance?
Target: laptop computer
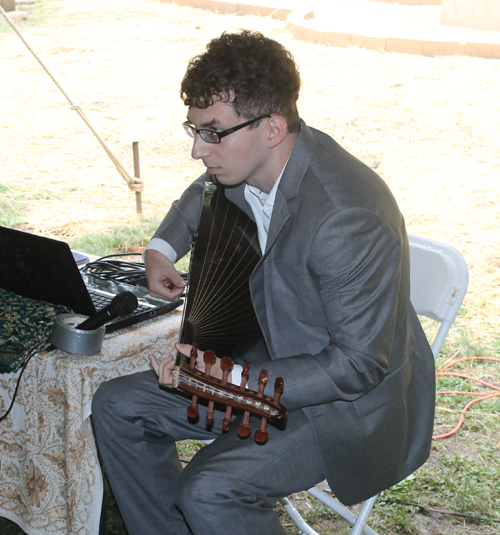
(46, 270)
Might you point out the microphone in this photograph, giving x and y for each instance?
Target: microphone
(122, 304)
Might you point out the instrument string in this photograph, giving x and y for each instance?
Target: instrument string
(225, 328)
(213, 298)
(224, 312)
(219, 311)
(191, 299)
(199, 289)
(212, 270)
(221, 298)
(226, 315)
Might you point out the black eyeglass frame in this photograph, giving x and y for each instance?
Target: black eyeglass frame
(191, 131)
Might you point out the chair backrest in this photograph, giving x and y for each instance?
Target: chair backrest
(438, 277)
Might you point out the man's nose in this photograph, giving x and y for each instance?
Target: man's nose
(200, 148)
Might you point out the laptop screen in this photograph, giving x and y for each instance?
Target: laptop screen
(43, 269)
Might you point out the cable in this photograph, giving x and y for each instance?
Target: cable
(431, 509)
(118, 270)
(482, 395)
(34, 352)
(464, 515)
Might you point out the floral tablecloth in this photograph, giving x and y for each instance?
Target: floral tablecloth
(50, 480)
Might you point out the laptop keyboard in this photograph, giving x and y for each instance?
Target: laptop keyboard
(101, 300)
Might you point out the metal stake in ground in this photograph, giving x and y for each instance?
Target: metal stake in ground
(137, 176)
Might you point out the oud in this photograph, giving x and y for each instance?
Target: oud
(218, 315)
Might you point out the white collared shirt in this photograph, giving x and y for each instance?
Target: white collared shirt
(262, 205)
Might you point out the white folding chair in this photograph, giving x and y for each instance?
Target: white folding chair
(438, 282)
(438, 277)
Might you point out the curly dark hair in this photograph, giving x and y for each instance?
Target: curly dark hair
(257, 75)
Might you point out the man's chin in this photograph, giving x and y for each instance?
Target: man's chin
(227, 182)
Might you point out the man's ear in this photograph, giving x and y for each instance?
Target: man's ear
(277, 130)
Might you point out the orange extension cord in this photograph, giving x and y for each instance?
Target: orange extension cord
(481, 395)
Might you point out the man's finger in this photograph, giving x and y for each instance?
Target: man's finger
(154, 363)
(184, 349)
(175, 280)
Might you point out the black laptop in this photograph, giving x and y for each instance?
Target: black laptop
(45, 269)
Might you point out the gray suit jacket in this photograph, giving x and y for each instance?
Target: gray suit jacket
(332, 296)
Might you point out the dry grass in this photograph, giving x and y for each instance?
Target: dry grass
(430, 126)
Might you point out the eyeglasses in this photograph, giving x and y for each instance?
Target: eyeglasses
(211, 136)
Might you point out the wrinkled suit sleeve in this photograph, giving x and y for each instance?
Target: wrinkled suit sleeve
(354, 267)
(181, 221)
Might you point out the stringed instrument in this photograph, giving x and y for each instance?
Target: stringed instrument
(218, 315)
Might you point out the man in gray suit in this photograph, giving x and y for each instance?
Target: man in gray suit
(332, 297)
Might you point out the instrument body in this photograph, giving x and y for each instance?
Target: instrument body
(218, 313)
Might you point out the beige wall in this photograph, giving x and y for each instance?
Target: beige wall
(479, 14)
(8, 5)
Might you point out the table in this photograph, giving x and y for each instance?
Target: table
(50, 479)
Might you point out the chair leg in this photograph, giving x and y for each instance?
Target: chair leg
(358, 522)
(305, 529)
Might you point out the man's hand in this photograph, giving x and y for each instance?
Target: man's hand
(163, 279)
(164, 366)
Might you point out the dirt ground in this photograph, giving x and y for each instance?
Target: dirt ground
(430, 126)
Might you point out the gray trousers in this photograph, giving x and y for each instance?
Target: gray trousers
(229, 487)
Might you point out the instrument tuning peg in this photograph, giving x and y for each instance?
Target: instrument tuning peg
(261, 435)
(244, 376)
(226, 422)
(263, 377)
(226, 365)
(244, 428)
(209, 420)
(192, 356)
(209, 359)
(193, 410)
(279, 385)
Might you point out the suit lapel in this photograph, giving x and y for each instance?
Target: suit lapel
(289, 187)
(237, 196)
